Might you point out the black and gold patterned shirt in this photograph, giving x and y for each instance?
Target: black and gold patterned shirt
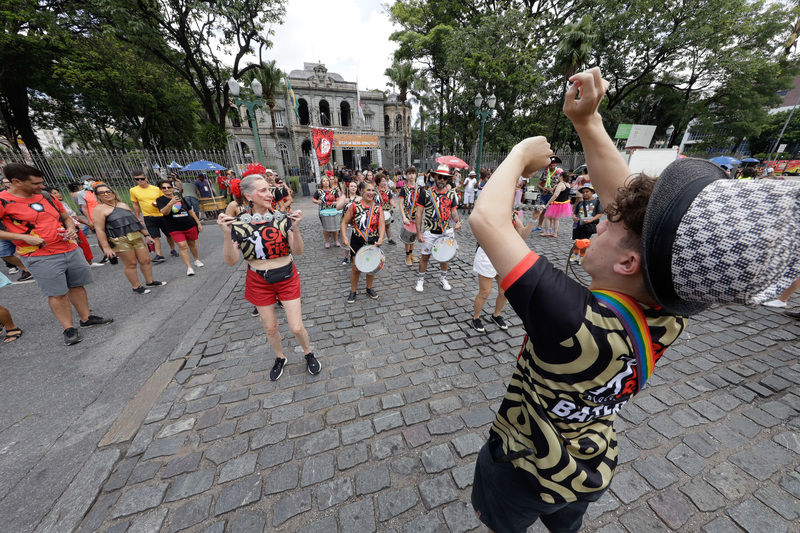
(264, 240)
(575, 371)
(438, 206)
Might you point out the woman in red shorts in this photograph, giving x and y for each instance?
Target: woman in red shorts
(267, 239)
(182, 224)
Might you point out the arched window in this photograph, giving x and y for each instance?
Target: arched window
(303, 112)
(387, 124)
(325, 113)
(398, 123)
(344, 110)
(284, 150)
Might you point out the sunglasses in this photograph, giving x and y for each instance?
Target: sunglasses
(105, 192)
(165, 188)
(139, 179)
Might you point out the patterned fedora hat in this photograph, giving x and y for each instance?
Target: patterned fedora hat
(708, 239)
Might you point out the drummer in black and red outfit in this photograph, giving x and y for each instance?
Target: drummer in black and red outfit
(435, 207)
(267, 246)
(408, 207)
(366, 216)
(385, 198)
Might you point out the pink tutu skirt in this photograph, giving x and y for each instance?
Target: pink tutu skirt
(559, 210)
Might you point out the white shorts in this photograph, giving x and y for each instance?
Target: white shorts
(469, 197)
(430, 238)
(482, 266)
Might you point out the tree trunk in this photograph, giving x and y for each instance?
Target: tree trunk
(405, 137)
(17, 97)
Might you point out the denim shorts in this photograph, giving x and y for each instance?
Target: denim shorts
(7, 248)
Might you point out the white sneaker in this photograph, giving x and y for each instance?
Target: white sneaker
(95, 265)
(198, 264)
(13, 270)
(774, 303)
(420, 283)
(446, 286)
(189, 271)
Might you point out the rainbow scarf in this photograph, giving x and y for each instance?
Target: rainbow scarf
(631, 315)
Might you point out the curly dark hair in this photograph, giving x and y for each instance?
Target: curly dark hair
(630, 206)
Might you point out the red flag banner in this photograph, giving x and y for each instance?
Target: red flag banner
(323, 142)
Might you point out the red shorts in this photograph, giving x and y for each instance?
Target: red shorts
(187, 235)
(259, 293)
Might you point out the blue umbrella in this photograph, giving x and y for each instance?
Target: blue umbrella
(202, 165)
(725, 160)
(174, 164)
(751, 160)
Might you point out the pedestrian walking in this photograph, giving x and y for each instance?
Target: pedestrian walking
(266, 239)
(45, 237)
(182, 225)
(121, 235)
(143, 201)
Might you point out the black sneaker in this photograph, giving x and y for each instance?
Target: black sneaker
(277, 369)
(791, 314)
(391, 241)
(345, 261)
(313, 364)
(254, 312)
(157, 259)
(499, 321)
(351, 298)
(477, 325)
(156, 283)
(25, 277)
(141, 290)
(95, 320)
(174, 253)
(72, 336)
(372, 294)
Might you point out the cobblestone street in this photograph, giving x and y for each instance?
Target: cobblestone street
(386, 436)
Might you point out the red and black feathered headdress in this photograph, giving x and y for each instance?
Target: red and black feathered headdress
(236, 188)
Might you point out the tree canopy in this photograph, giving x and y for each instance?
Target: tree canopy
(664, 65)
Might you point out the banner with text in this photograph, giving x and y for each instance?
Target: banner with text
(354, 140)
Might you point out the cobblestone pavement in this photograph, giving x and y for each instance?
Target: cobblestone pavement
(386, 436)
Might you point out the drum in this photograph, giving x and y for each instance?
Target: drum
(444, 248)
(369, 259)
(387, 216)
(409, 233)
(331, 218)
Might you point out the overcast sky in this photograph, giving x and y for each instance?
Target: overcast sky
(351, 37)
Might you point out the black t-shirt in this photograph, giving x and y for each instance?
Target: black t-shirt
(576, 370)
(179, 218)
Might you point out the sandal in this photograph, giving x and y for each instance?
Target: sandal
(11, 337)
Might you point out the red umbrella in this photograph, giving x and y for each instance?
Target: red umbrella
(452, 161)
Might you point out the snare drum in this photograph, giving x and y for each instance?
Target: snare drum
(330, 219)
(409, 233)
(444, 248)
(369, 259)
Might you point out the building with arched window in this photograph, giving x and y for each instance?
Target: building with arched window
(326, 100)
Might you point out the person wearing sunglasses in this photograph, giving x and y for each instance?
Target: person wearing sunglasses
(143, 198)
(121, 234)
(182, 224)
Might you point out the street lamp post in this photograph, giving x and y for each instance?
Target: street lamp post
(251, 106)
(670, 131)
(484, 114)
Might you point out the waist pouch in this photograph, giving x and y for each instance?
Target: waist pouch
(276, 275)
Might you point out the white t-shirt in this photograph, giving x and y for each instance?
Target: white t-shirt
(469, 184)
(421, 180)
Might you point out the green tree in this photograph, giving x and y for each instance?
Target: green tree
(204, 43)
(572, 55)
(402, 75)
